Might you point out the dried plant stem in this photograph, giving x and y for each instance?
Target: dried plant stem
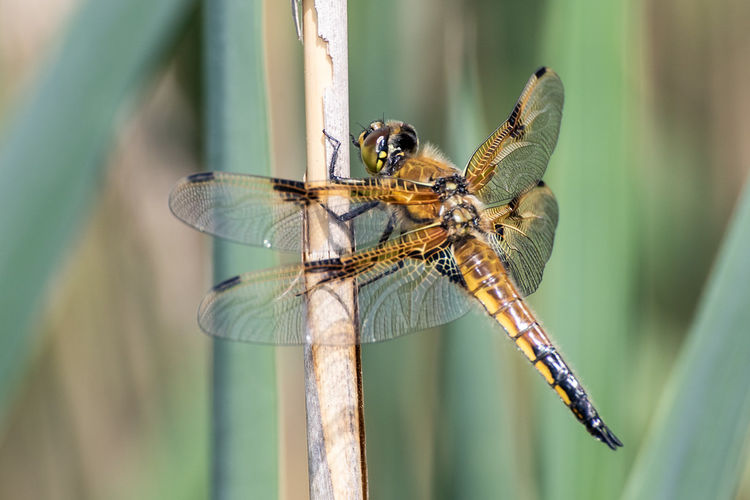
(335, 426)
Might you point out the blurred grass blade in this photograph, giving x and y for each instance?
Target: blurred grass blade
(51, 152)
(696, 443)
(245, 432)
(589, 285)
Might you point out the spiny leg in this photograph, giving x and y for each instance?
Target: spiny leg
(334, 156)
(355, 212)
(389, 228)
(341, 219)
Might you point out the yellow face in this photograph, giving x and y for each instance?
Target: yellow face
(383, 145)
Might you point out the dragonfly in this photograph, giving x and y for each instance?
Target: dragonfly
(430, 240)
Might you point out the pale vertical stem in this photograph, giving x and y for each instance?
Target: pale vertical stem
(335, 426)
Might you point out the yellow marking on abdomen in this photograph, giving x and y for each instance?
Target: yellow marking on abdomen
(488, 281)
(563, 395)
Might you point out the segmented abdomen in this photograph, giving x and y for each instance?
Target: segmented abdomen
(488, 281)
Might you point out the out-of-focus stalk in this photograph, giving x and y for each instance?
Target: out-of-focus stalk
(245, 443)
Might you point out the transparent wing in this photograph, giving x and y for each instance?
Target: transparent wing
(524, 234)
(268, 212)
(514, 157)
(403, 286)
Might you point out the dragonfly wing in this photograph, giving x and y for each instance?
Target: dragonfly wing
(418, 294)
(264, 307)
(255, 210)
(514, 157)
(524, 236)
(268, 212)
(403, 286)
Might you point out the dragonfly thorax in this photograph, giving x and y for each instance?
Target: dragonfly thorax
(460, 215)
(450, 186)
(460, 210)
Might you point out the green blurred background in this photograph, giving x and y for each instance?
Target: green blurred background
(105, 377)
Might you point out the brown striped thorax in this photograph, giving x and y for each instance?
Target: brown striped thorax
(431, 240)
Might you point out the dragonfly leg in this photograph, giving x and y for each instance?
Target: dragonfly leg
(355, 212)
(334, 156)
(351, 214)
(388, 229)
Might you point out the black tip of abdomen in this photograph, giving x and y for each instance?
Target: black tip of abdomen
(600, 431)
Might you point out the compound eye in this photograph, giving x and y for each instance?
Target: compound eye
(373, 146)
(406, 139)
(372, 127)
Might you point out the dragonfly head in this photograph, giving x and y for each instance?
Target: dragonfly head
(384, 145)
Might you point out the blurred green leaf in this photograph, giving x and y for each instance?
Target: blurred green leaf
(175, 461)
(696, 445)
(245, 436)
(587, 296)
(51, 152)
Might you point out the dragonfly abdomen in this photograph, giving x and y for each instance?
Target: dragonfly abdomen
(488, 281)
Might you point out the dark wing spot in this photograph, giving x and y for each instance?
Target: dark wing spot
(227, 284)
(518, 130)
(445, 265)
(513, 118)
(514, 204)
(288, 186)
(541, 72)
(201, 177)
